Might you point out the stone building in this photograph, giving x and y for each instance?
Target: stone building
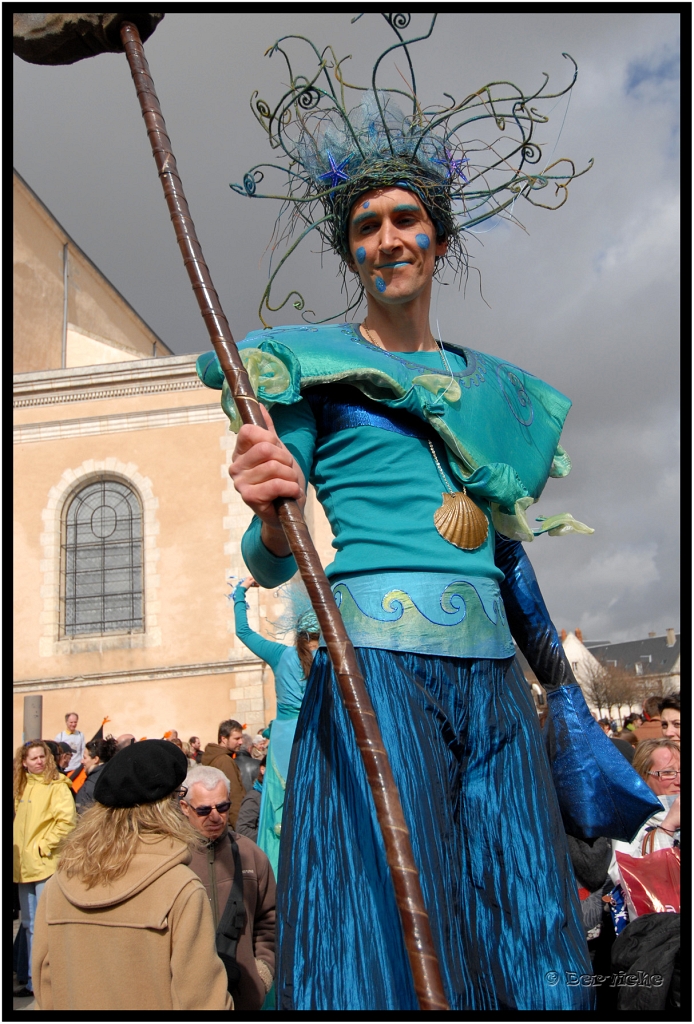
(654, 661)
(127, 527)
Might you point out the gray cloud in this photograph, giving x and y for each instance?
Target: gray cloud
(586, 298)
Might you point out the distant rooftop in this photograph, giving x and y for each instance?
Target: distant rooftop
(651, 656)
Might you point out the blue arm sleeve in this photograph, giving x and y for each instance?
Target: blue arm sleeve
(268, 650)
(599, 793)
(528, 618)
(296, 428)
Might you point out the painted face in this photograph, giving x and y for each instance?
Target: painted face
(670, 723)
(393, 245)
(211, 825)
(35, 760)
(664, 760)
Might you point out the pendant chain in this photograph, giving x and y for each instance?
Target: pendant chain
(369, 335)
(441, 472)
(446, 364)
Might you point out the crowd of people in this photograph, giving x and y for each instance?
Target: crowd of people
(162, 834)
(650, 741)
(658, 719)
(196, 796)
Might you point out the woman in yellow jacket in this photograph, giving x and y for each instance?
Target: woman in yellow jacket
(44, 814)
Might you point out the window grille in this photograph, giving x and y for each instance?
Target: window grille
(102, 561)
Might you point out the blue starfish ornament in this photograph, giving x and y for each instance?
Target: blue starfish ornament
(336, 174)
(453, 166)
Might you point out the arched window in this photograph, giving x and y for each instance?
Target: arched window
(101, 588)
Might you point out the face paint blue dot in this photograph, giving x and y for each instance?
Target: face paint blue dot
(366, 205)
(380, 284)
(360, 254)
(423, 241)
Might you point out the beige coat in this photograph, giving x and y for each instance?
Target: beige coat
(146, 942)
(44, 814)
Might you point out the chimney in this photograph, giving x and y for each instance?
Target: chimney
(579, 634)
(670, 637)
(651, 635)
(563, 635)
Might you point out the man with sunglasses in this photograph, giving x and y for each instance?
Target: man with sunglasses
(240, 886)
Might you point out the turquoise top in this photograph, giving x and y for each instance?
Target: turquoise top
(379, 488)
(290, 682)
(359, 421)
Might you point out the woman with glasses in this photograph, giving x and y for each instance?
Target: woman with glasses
(44, 814)
(658, 764)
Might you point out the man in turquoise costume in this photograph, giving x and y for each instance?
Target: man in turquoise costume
(426, 456)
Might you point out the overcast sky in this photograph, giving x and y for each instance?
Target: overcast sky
(586, 298)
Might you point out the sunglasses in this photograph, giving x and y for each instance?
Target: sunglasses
(202, 812)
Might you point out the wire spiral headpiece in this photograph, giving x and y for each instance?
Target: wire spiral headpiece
(330, 150)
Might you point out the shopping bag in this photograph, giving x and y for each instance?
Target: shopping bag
(652, 883)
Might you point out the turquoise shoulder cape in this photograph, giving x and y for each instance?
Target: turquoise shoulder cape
(501, 425)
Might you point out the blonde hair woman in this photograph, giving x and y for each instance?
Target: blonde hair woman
(44, 814)
(658, 764)
(125, 901)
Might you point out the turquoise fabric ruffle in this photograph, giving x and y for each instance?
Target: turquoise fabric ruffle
(501, 425)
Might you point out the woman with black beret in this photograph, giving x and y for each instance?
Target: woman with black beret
(125, 901)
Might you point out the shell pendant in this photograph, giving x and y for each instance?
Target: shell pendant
(461, 522)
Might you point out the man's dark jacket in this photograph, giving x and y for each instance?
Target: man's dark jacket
(255, 954)
(248, 766)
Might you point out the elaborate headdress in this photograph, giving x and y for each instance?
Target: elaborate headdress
(333, 151)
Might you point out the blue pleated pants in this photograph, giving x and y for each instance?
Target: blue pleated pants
(470, 765)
